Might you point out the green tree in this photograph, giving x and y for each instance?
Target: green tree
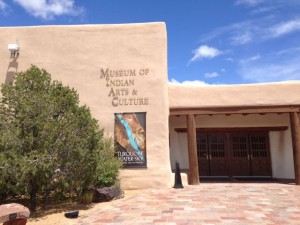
(107, 166)
(47, 141)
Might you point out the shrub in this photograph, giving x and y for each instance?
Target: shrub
(48, 143)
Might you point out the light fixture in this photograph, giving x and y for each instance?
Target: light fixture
(14, 49)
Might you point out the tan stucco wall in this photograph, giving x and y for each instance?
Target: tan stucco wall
(75, 56)
(268, 94)
(280, 142)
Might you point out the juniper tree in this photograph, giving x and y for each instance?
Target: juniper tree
(47, 140)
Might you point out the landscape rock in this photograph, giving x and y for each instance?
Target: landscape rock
(72, 214)
(13, 214)
(107, 194)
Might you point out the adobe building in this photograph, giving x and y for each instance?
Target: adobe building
(120, 72)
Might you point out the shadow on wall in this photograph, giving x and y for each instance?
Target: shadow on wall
(12, 69)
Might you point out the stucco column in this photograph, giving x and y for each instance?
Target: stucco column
(193, 175)
(295, 128)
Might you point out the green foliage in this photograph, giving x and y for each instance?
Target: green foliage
(108, 166)
(48, 142)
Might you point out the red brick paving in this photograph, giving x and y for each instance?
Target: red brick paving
(207, 203)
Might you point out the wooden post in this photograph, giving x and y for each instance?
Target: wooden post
(295, 128)
(193, 175)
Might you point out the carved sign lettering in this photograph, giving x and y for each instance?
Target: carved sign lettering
(121, 86)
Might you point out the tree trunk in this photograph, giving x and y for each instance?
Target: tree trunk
(33, 194)
(47, 193)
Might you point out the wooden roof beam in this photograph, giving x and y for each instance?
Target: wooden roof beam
(234, 110)
(234, 129)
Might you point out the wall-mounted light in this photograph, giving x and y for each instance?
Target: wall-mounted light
(14, 49)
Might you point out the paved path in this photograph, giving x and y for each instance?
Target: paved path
(208, 203)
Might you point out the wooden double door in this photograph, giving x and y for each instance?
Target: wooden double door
(234, 154)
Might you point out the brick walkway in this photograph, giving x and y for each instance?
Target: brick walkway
(208, 203)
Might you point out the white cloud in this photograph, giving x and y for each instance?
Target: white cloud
(241, 39)
(211, 75)
(223, 70)
(270, 24)
(249, 2)
(284, 28)
(189, 82)
(236, 33)
(289, 51)
(3, 5)
(256, 30)
(271, 72)
(48, 9)
(250, 59)
(264, 9)
(229, 59)
(205, 51)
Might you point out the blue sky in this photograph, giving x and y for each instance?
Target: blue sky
(209, 41)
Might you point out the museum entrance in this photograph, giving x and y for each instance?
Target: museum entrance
(236, 154)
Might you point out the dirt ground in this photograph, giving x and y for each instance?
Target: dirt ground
(58, 218)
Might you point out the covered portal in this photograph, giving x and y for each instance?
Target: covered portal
(236, 131)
